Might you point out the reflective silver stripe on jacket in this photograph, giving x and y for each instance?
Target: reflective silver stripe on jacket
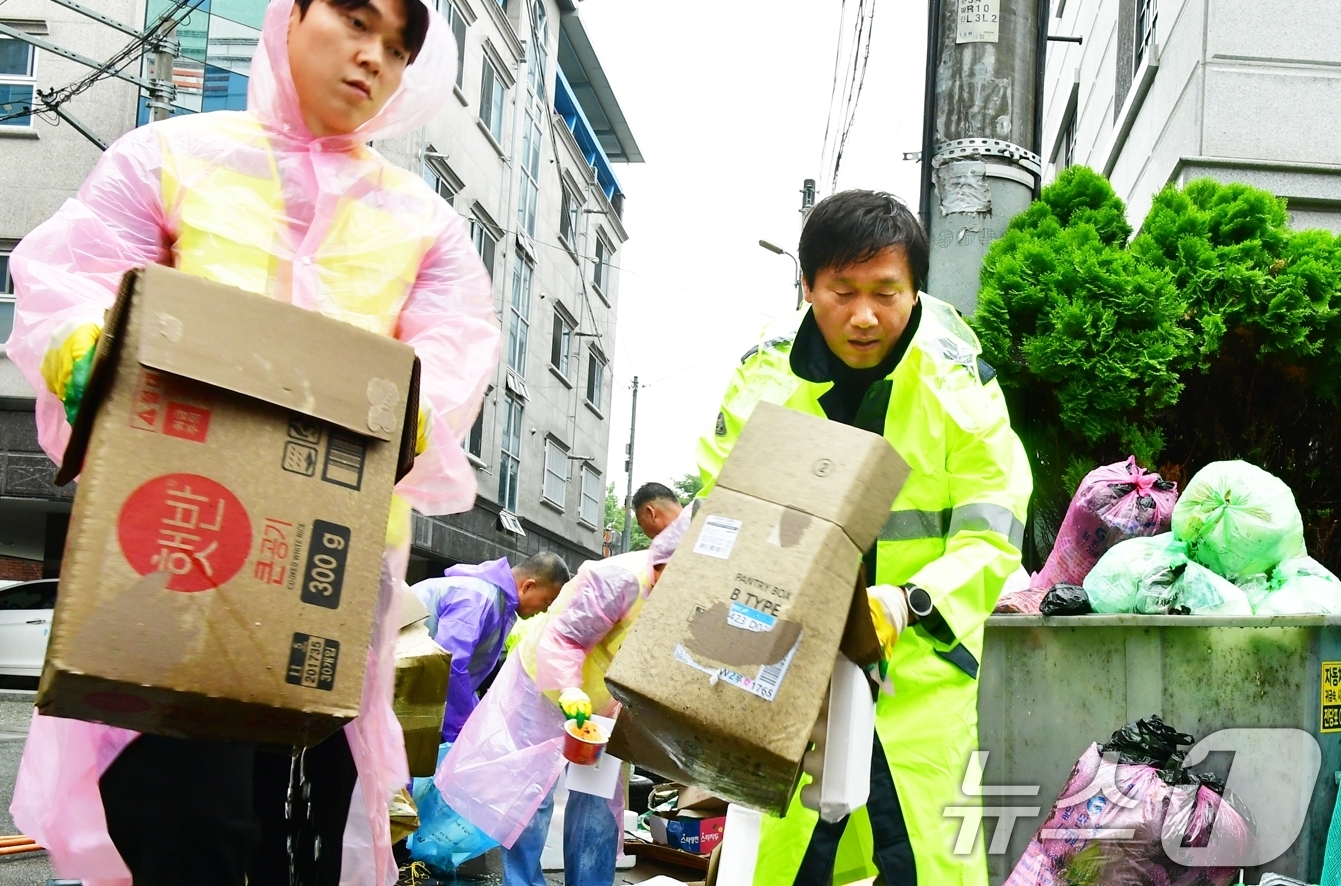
(914, 525)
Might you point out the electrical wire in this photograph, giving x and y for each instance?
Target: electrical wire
(851, 57)
(131, 52)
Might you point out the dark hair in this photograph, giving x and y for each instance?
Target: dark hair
(546, 568)
(416, 20)
(855, 226)
(650, 492)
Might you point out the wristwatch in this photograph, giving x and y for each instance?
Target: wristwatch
(919, 601)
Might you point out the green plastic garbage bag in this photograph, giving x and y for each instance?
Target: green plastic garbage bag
(1256, 587)
(1137, 575)
(1238, 520)
(1205, 593)
(1305, 587)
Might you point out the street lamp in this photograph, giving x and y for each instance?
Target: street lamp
(780, 251)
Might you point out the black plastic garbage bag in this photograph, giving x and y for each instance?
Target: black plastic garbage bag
(1066, 600)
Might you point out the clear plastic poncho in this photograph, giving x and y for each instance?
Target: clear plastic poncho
(254, 200)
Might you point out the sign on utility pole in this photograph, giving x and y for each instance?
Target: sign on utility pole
(981, 144)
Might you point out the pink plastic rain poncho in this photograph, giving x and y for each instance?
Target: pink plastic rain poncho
(510, 752)
(255, 201)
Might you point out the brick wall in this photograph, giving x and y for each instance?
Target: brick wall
(15, 569)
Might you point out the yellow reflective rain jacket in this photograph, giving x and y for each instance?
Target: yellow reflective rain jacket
(955, 530)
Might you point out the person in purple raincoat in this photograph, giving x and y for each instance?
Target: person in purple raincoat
(471, 611)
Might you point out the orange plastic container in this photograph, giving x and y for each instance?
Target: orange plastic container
(580, 750)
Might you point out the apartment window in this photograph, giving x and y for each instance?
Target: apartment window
(601, 276)
(568, 220)
(441, 179)
(556, 472)
(590, 510)
(1146, 13)
(530, 174)
(509, 462)
(1069, 142)
(491, 101)
(458, 23)
(17, 82)
(595, 377)
(561, 347)
(475, 442)
(520, 322)
(6, 298)
(486, 244)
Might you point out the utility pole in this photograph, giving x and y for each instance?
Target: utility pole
(628, 468)
(164, 90)
(982, 141)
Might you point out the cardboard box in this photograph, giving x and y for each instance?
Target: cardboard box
(697, 798)
(701, 831)
(423, 673)
(724, 672)
(236, 459)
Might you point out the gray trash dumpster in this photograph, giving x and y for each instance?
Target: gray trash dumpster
(1051, 686)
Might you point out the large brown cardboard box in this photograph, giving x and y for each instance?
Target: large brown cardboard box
(423, 673)
(724, 672)
(236, 458)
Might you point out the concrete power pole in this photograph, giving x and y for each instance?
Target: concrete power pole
(981, 144)
(628, 468)
(164, 90)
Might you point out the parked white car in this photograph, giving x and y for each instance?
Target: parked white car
(25, 625)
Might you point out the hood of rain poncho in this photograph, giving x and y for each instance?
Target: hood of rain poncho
(424, 89)
(668, 539)
(496, 572)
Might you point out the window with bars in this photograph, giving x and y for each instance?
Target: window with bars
(530, 174)
(570, 215)
(486, 244)
(491, 100)
(509, 461)
(590, 510)
(595, 378)
(1146, 14)
(601, 275)
(17, 82)
(458, 23)
(556, 472)
(6, 297)
(561, 347)
(519, 324)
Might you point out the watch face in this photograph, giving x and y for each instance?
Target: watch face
(919, 601)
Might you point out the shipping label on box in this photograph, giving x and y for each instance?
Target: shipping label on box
(224, 555)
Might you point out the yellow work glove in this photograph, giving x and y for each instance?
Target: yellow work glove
(889, 613)
(576, 705)
(425, 425)
(66, 366)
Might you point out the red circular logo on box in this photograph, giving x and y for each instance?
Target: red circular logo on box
(188, 526)
(117, 702)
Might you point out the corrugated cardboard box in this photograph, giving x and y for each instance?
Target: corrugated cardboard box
(236, 459)
(423, 671)
(724, 673)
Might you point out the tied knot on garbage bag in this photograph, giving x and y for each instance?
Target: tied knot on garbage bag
(1124, 803)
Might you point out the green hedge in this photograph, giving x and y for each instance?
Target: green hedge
(1215, 333)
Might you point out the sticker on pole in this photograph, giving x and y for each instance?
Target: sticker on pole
(978, 21)
(718, 537)
(189, 526)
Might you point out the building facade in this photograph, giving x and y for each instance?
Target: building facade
(525, 153)
(1166, 91)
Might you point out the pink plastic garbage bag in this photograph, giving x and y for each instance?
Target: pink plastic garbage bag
(1109, 823)
(1114, 503)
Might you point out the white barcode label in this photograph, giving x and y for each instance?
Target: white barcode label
(765, 685)
(718, 537)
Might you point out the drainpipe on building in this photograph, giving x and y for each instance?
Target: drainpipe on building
(981, 148)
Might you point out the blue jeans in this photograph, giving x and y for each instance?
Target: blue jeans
(590, 842)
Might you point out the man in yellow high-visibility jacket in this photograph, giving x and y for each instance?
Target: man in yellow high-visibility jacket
(875, 353)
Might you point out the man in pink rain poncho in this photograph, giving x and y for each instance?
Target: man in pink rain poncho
(500, 774)
(284, 200)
